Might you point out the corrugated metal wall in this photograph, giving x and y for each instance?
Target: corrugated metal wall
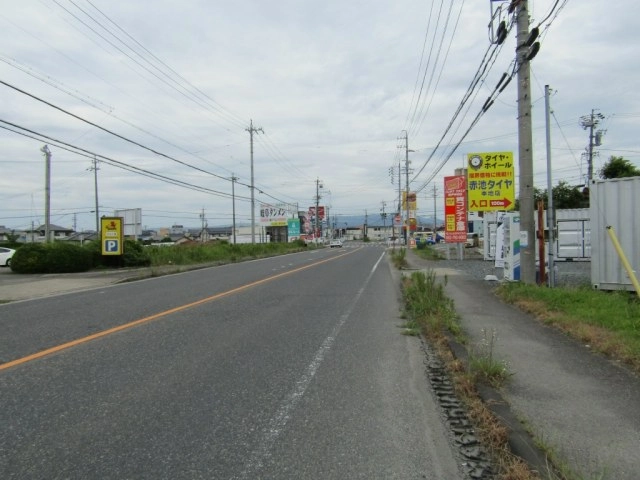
(615, 203)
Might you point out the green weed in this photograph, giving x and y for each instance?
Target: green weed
(483, 364)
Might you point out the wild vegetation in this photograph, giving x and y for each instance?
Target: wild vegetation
(427, 306)
(64, 257)
(609, 322)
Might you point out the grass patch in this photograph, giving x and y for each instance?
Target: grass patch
(399, 258)
(217, 252)
(483, 365)
(427, 306)
(609, 322)
(428, 253)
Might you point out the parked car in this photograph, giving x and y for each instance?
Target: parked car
(335, 242)
(5, 256)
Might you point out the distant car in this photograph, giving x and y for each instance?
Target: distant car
(336, 242)
(5, 256)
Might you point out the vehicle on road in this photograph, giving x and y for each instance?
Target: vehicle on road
(336, 242)
(5, 256)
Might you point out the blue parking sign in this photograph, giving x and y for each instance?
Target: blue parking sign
(112, 246)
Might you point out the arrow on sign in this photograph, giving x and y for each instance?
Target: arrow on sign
(504, 203)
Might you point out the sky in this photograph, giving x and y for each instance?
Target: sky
(162, 98)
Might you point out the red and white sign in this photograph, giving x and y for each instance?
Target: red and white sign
(455, 209)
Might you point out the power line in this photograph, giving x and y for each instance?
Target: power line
(110, 161)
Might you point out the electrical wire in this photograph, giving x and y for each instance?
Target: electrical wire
(110, 161)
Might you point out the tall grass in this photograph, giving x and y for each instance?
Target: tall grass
(608, 321)
(399, 258)
(427, 304)
(223, 252)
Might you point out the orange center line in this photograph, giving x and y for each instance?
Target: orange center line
(150, 318)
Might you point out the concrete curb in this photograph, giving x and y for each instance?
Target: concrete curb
(521, 443)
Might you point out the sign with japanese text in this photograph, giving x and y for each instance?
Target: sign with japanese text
(312, 212)
(293, 227)
(274, 215)
(455, 209)
(413, 204)
(490, 181)
(111, 236)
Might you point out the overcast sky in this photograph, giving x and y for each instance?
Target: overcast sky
(169, 88)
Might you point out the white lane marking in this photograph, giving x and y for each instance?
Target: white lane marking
(277, 423)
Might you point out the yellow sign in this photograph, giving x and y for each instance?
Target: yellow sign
(111, 235)
(413, 204)
(490, 181)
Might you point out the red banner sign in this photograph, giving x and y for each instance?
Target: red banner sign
(455, 209)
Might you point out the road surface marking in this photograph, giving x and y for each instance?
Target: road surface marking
(126, 326)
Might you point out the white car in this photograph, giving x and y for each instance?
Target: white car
(5, 256)
(336, 242)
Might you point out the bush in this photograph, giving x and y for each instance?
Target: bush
(30, 258)
(134, 255)
(57, 257)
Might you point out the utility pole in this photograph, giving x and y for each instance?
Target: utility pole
(233, 199)
(406, 168)
(434, 213)
(384, 217)
(365, 232)
(317, 212)
(590, 122)
(202, 226)
(251, 131)
(550, 212)
(95, 187)
(525, 154)
(47, 189)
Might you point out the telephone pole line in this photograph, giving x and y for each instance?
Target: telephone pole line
(95, 169)
(47, 197)
(525, 151)
(435, 191)
(317, 234)
(590, 122)
(406, 171)
(233, 205)
(251, 131)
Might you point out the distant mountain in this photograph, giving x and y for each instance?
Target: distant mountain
(354, 221)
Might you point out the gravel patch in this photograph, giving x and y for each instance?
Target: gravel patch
(473, 263)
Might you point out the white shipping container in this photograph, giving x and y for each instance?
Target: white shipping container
(572, 234)
(615, 203)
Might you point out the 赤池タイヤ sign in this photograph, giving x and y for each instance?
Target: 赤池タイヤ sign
(490, 181)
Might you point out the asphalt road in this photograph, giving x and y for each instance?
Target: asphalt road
(285, 368)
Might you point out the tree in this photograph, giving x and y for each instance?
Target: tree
(564, 196)
(618, 167)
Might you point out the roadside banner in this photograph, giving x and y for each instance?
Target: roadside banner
(455, 209)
